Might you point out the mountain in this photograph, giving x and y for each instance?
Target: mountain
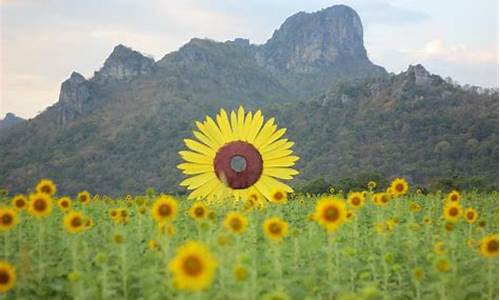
(120, 130)
(10, 120)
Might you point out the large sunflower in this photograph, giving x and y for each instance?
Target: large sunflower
(7, 277)
(237, 154)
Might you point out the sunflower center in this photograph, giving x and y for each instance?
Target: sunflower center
(46, 189)
(40, 205)
(454, 197)
(76, 222)
(400, 187)
(470, 215)
(355, 201)
(64, 204)
(19, 203)
(236, 224)
(278, 196)
(7, 219)
(4, 277)
(275, 228)
(164, 210)
(199, 211)
(453, 211)
(331, 214)
(493, 246)
(238, 164)
(83, 198)
(192, 265)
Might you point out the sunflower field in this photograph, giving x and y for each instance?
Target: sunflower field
(363, 245)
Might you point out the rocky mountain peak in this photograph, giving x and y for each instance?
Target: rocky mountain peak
(75, 94)
(9, 120)
(418, 75)
(124, 63)
(327, 37)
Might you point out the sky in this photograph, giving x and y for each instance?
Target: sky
(43, 41)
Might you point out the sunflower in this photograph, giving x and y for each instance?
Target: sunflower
(439, 248)
(452, 211)
(236, 222)
(275, 229)
(166, 228)
(7, 277)
(399, 187)
(198, 210)
(46, 186)
(74, 222)
(40, 205)
(64, 203)
(442, 264)
(278, 196)
(356, 200)
(164, 208)
(84, 197)
(236, 154)
(154, 245)
(372, 185)
(113, 213)
(453, 196)
(8, 219)
(240, 273)
(489, 245)
(330, 212)
(470, 215)
(193, 267)
(118, 238)
(19, 202)
(415, 207)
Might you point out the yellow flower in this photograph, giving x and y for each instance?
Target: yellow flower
(198, 210)
(470, 215)
(7, 277)
(40, 205)
(74, 222)
(452, 211)
(236, 222)
(118, 239)
(330, 212)
(489, 245)
(235, 154)
(356, 200)
(8, 219)
(415, 207)
(372, 185)
(154, 245)
(279, 196)
(418, 274)
(64, 203)
(399, 187)
(240, 273)
(275, 229)
(439, 248)
(193, 267)
(19, 202)
(442, 265)
(166, 228)
(164, 209)
(453, 196)
(84, 197)
(46, 186)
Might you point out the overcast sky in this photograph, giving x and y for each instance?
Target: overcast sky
(43, 41)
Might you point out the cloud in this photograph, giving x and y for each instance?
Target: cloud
(438, 49)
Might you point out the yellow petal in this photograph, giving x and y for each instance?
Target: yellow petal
(215, 130)
(234, 125)
(265, 133)
(205, 140)
(276, 154)
(275, 184)
(225, 127)
(204, 190)
(276, 135)
(192, 169)
(196, 157)
(200, 148)
(246, 126)
(257, 122)
(278, 146)
(282, 173)
(198, 180)
(281, 162)
(241, 120)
